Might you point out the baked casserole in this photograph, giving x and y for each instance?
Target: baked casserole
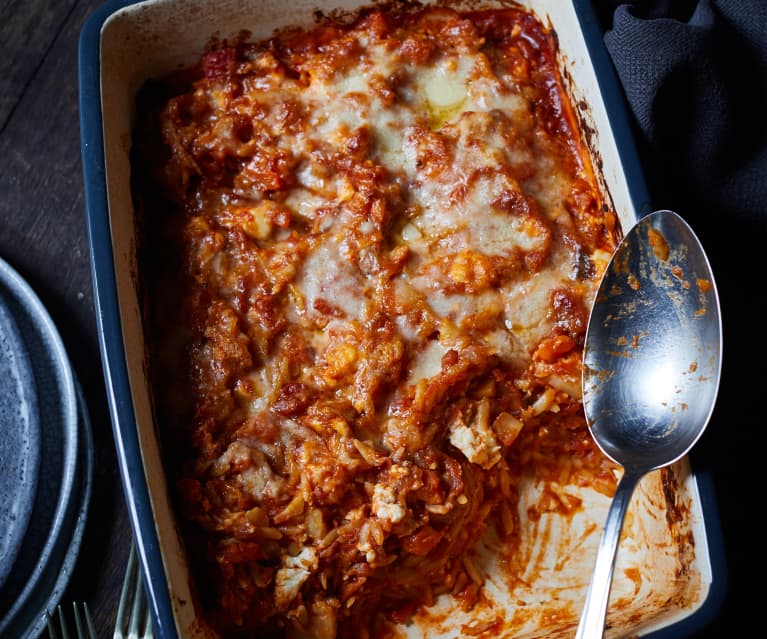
(368, 251)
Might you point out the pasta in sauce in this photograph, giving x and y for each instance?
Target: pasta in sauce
(368, 250)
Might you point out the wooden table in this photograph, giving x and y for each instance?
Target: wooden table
(43, 236)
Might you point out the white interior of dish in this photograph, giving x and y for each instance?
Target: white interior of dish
(153, 37)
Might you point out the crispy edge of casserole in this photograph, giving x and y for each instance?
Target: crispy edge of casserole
(368, 250)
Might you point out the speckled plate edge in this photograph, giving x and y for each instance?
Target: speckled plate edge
(31, 622)
(20, 453)
(38, 325)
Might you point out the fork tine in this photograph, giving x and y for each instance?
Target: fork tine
(122, 623)
(62, 623)
(138, 606)
(78, 621)
(146, 628)
(51, 626)
(134, 620)
(84, 622)
(89, 621)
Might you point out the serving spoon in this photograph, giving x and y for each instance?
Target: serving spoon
(652, 363)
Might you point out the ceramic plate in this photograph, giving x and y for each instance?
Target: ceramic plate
(29, 620)
(59, 503)
(19, 440)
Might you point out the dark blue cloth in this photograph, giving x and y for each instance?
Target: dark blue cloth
(695, 78)
(697, 87)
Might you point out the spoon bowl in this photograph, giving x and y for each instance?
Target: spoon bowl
(652, 363)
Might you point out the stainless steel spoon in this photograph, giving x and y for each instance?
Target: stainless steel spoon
(652, 362)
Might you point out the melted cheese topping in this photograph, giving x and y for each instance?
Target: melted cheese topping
(377, 247)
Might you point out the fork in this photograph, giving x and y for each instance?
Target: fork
(83, 623)
(134, 620)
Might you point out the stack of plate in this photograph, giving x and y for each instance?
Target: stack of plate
(46, 461)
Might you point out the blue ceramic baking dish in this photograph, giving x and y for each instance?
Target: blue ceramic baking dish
(124, 43)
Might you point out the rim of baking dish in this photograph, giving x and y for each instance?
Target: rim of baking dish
(109, 324)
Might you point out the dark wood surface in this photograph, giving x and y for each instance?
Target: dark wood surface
(43, 236)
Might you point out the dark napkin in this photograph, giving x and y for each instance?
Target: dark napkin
(695, 79)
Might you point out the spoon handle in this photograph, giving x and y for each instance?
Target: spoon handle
(592, 621)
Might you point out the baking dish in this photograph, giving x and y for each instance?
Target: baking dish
(122, 45)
